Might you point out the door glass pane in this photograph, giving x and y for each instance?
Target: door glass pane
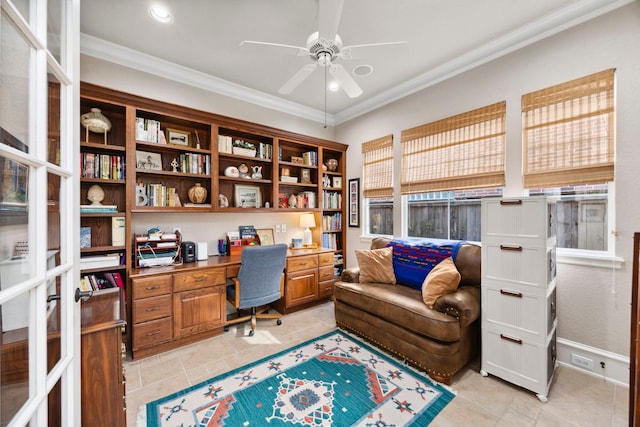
(53, 147)
(23, 8)
(14, 87)
(14, 346)
(53, 223)
(55, 401)
(14, 177)
(53, 323)
(54, 28)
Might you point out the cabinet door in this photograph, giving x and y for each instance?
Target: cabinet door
(198, 310)
(302, 287)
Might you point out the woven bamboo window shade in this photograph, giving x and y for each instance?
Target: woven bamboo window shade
(568, 132)
(459, 152)
(377, 156)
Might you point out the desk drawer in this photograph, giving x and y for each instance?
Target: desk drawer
(151, 333)
(325, 273)
(151, 308)
(199, 279)
(145, 287)
(325, 289)
(302, 263)
(326, 259)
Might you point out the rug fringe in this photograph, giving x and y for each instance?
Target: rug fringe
(141, 418)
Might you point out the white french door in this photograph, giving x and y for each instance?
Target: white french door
(39, 218)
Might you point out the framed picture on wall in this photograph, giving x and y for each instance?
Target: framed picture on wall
(354, 202)
(266, 236)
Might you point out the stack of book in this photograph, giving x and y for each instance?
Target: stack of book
(98, 209)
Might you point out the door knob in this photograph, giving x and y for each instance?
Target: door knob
(83, 295)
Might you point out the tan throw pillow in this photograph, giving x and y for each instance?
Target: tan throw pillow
(376, 266)
(442, 280)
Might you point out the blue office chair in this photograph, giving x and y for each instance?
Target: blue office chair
(260, 281)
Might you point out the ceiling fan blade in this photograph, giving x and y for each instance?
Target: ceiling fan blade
(347, 51)
(345, 81)
(298, 78)
(329, 13)
(302, 51)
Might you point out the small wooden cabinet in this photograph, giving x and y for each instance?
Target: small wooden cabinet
(198, 302)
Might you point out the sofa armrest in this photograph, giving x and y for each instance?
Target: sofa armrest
(350, 275)
(463, 304)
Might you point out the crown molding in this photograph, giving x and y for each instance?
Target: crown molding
(567, 17)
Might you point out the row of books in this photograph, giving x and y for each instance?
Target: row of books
(331, 241)
(96, 282)
(103, 166)
(332, 200)
(195, 163)
(332, 222)
(160, 195)
(98, 208)
(149, 131)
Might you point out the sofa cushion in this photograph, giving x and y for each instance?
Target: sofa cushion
(376, 266)
(400, 305)
(414, 258)
(442, 280)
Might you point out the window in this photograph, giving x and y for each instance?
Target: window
(377, 188)
(448, 214)
(568, 137)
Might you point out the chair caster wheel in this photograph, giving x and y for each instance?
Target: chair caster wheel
(279, 322)
(251, 333)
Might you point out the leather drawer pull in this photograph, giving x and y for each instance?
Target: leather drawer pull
(513, 340)
(153, 308)
(511, 248)
(511, 294)
(153, 333)
(150, 288)
(510, 202)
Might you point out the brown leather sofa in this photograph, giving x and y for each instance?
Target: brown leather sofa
(440, 340)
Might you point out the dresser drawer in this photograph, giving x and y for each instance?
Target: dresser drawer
(325, 273)
(151, 308)
(145, 287)
(302, 263)
(199, 279)
(325, 289)
(326, 259)
(151, 333)
(529, 219)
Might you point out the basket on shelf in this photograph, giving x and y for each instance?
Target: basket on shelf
(244, 151)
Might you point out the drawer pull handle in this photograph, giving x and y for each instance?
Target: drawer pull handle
(511, 294)
(511, 248)
(153, 309)
(510, 202)
(151, 288)
(201, 279)
(150, 334)
(510, 339)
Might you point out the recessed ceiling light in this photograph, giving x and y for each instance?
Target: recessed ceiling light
(333, 86)
(362, 70)
(161, 14)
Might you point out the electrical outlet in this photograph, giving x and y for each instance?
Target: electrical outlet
(284, 228)
(582, 362)
(278, 228)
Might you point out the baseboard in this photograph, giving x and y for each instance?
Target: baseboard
(616, 366)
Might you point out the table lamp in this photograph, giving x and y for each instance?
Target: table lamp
(307, 221)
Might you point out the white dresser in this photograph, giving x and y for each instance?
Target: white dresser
(519, 291)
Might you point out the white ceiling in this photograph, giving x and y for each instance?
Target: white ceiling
(202, 45)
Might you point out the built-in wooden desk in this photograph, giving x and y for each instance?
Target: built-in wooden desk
(175, 305)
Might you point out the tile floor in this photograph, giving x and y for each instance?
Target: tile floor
(576, 398)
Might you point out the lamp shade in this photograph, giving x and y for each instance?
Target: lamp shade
(307, 221)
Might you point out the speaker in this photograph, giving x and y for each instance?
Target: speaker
(202, 252)
(188, 252)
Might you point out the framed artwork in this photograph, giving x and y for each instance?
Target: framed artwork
(354, 202)
(337, 182)
(247, 196)
(305, 176)
(148, 161)
(177, 137)
(266, 236)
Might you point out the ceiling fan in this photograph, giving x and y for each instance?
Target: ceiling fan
(324, 47)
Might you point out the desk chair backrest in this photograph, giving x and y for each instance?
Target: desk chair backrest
(260, 274)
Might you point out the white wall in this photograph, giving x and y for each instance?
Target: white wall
(593, 303)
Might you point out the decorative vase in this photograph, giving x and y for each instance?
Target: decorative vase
(332, 165)
(197, 193)
(96, 122)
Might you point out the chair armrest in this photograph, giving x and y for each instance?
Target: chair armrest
(463, 304)
(350, 275)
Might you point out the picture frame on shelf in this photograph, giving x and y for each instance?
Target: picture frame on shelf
(146, 160)
(178, 137)
(305, 176)
(354, 202)
(337, 182)
(247, 196)
(266, 236)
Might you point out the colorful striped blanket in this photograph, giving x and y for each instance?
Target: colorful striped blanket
(414, 258)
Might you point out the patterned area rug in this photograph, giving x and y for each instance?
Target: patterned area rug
(332, 380)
